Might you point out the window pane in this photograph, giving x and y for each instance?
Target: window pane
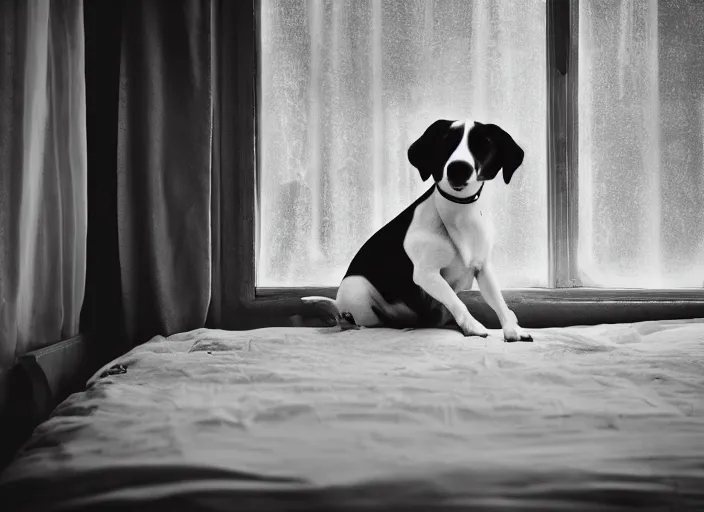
(348, 85)
(641, 140)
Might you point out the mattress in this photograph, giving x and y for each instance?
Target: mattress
(605, 417)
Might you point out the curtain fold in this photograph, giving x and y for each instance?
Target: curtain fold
(163, 166)
(155, 181)
(102, 310)
(43, 172)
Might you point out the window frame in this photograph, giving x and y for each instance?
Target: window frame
(565, 304)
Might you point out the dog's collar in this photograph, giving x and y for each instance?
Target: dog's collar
(461, 200)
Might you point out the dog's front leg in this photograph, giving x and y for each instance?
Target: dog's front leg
(435, 285)
(490, 290)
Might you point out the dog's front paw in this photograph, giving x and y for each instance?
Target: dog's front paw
(514, 332)
(470, 327)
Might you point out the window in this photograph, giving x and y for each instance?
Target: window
(348, 85)
(641, 143)
(603, 94)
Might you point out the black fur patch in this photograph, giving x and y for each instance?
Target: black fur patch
(431, 151)
(495, 150)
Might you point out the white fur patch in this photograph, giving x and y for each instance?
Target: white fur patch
(461, 154)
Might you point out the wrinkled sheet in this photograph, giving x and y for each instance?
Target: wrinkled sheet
(319, 419)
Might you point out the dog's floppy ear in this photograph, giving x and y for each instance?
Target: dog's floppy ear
(501, 152)
(428, 153)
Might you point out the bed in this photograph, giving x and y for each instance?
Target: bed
(604, 417)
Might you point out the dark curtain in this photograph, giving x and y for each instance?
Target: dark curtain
(111, 180)
(150, 130)
(43, 174)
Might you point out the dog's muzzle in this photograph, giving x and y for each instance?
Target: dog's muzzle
(458, 173)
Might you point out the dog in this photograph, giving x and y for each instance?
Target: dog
(408, 273)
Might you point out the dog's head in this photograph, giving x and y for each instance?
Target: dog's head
(458, 153)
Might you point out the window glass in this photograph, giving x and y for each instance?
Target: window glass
(641, 140)
(348, 85)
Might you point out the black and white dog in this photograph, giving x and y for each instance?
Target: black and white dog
(409, 272)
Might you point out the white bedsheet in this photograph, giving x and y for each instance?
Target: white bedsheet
(316, 417)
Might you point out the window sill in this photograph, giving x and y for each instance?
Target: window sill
(535, 307)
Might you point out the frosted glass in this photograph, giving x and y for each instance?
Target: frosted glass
(348, 85)
(641, 139)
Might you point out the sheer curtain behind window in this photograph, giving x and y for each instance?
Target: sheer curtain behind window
(42, 173)
(641, 139)
(347, 85)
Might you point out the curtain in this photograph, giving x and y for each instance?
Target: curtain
(641, 140)
(43, 169)
(150, 137)
(347, 86)
(163, 166)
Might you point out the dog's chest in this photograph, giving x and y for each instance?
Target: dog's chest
(457, 244)
(468, 234)
(470, 240)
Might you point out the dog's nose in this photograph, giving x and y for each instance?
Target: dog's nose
(458, 172)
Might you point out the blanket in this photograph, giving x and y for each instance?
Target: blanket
(604, 417)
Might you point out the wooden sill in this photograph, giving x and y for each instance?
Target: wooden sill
(535, 307)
